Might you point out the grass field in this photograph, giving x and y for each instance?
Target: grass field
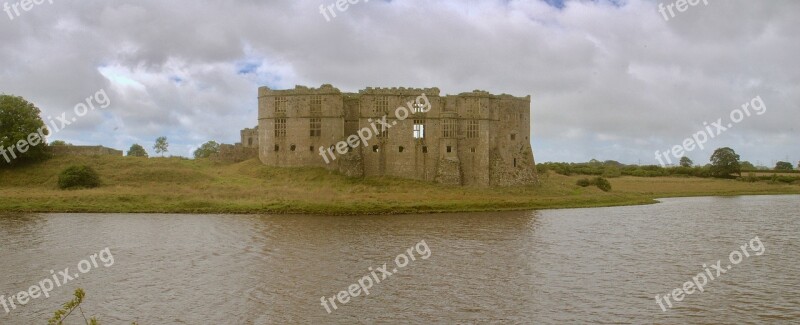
(173, 185)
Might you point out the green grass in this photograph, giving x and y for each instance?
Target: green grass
(173, 185)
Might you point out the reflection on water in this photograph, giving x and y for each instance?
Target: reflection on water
(561, 266)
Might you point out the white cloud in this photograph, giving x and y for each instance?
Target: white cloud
(608, 81)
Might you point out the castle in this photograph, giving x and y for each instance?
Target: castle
(467, 139)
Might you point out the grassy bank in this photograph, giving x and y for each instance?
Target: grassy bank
(172, 185)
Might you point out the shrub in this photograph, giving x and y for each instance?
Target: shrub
(612, 171)
(80, 176)
(750, 178)
(602, 184)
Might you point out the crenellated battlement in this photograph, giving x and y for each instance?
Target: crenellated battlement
(399, 91)
(298, 90)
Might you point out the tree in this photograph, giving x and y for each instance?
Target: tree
(686, 162)
(137, 151)
(59, 143)
(161, 145)
(22, 132)
(746, 165)
(724, 162)
(207, 149)
(782, 165)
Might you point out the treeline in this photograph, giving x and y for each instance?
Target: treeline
(611, 169)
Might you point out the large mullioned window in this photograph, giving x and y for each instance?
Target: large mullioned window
(449, 128)
(280, 127)
(419, 129)
(473, 129)
(315, 105)
(315, 124)
(381, 105)
(280, 105)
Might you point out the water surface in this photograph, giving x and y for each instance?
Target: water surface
(600, 265)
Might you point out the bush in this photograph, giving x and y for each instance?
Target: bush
(80, 176)
(612, 171)
(602, 184)
(751, 178)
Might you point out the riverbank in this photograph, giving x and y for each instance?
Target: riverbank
(174, 185)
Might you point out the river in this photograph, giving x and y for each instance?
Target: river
(600, 265)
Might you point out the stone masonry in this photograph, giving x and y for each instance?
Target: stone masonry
(70, 150)
(471, 138)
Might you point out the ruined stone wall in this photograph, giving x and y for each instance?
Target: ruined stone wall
(250, 137)
(486, 142)
(511, 158)
(84, 151)
(234, 153)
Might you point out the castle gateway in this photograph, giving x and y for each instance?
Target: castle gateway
(468, 139)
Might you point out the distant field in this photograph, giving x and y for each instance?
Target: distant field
(172, 185)
(770, 173)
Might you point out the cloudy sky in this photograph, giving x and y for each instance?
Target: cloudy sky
(608, 79)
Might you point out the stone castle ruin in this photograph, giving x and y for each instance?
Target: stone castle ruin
(467, 139)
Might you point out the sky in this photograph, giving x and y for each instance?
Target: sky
(609, 80)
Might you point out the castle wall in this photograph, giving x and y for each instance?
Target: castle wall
(296, 147)
(70, 150)
(249, 137)
(472, 138)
